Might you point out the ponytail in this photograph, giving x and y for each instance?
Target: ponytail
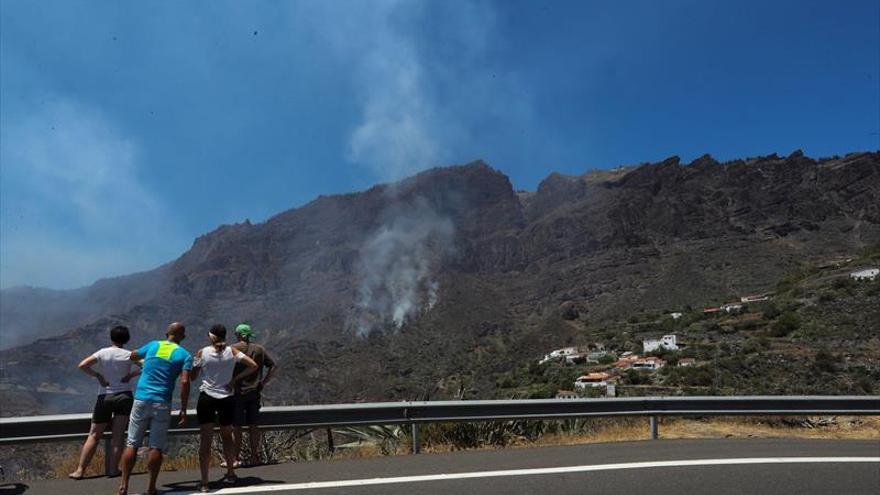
(217, 334)
(218, 343)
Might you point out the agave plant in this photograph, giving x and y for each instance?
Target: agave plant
(387, 438)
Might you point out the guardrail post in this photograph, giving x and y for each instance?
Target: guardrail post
(109, 468)
(330, 445)
(653, 420)
(415, 438)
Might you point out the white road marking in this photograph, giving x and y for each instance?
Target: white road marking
(538, 471)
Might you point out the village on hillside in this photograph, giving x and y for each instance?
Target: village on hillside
(606, 369)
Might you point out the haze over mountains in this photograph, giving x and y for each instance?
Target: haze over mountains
(415, 288)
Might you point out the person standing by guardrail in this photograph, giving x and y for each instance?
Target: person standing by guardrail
(114, 397)
(164, 361)
(216, 364)
(248, 392)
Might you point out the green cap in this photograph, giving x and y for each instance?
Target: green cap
(244, 330)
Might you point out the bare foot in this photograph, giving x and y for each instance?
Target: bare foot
(76, 475)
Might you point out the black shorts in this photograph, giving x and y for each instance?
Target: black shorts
(211, 410)
(247, 409)
(109, 405)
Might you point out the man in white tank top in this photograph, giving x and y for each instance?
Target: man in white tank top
(216, 364)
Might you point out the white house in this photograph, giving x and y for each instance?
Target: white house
(595, 356)
(666, 342)
(866, 274)
(578, 358)
(558, 354)
(592, 380)
(731, 307)
(648, 363)
(675, 315)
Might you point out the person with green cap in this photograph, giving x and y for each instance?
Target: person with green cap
(248, 392)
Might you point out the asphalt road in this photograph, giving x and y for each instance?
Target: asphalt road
(719, 467)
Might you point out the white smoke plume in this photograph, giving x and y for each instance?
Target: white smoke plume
(397, 267)
(413, 104)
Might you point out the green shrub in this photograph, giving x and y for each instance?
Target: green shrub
(607, 359)
(825, 361)
(751, 347)
(748, 325)
(710, 326)
(768, 309)
(689, 376)
(634, 377)
(787, 323)
(826, 297)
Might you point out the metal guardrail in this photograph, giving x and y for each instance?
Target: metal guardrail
(76, 426)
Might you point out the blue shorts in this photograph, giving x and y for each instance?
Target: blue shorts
(147, 414)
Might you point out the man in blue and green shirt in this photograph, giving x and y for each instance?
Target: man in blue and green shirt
(164, 361)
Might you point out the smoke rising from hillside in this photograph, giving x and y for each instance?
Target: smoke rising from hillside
(397, 281)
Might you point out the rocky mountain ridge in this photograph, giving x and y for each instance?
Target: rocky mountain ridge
(400, 290)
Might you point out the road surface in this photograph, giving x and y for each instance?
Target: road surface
(719, 467)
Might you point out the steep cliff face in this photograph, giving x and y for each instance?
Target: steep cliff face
(388, 292)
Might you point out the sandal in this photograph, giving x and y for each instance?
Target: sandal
(204, 489)
(229, 479)
(74, 477)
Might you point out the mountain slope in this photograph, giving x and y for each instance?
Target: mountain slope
(435, 283)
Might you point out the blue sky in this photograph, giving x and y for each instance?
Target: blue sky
(129, 128)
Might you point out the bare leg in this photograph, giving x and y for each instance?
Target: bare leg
(254, 440)
(126, 464)
(228, 449)
(154, 464)
(116, 442)
(88, 449)
(236, 438)
(206, 433)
